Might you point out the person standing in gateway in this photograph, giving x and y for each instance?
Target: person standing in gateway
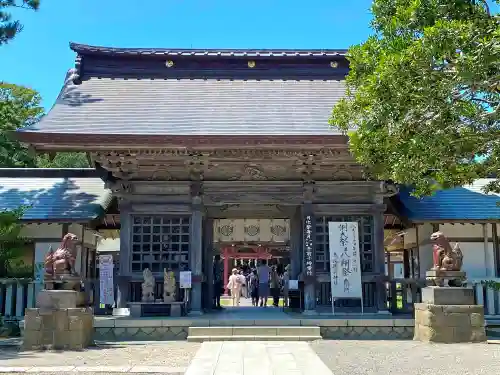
(217, 282)
(263, 274)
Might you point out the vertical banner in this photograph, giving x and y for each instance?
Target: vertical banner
(308, 245)
(106, 286)
(345, 265)
(185, 280)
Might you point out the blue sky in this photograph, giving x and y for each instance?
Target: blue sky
(40, 56)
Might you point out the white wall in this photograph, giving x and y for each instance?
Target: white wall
(464, 230)
(88, 236)
(424, 232)
(478, 261)
(44, 230)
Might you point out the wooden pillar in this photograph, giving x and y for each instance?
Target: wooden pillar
(225, 278)
(488, 262)
(379, 254)
(196, 253)
(496, 248)
(208, 260)
(123, 279)
(309, 259)
(295, 245)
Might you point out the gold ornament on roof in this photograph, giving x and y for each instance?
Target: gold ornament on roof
(169, 64)
(334, 64)
(251, 64)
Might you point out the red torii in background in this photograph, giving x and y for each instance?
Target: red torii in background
(231, 252)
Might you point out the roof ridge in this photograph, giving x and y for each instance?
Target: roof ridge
(49, 173)
(227, 52)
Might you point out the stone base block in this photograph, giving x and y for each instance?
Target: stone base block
(58, 299)
(175, 310)
(445, 278)
(435, 295)
(449, 323)
(58, 328)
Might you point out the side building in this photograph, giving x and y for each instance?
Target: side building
(58, 201)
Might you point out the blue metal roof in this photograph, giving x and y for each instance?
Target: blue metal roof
(64, 198)
(460, 203)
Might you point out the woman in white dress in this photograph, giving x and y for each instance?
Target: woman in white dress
(286, 279)
(234, 285)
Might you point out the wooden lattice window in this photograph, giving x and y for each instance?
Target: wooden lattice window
(160, 242)
(365, 224)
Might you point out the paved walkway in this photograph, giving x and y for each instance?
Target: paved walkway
(256, 358)
(170, 358)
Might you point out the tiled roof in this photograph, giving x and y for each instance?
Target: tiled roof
(461, 203)
(197, 92)
(86, 49)
(193, 107)
(55, 198)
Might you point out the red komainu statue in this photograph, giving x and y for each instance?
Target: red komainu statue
(445, 258)
(62, 261)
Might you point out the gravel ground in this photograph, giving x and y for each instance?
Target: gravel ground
(407, 358)
(168, 354)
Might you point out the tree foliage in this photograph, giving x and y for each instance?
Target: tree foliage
(423, 94)
(9, 28)
(19, 107)
(12, 244)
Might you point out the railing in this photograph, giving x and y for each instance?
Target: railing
(487, 296)
(324, 298)
(400, 295)
(15, 296)
(403, 293)
(18, 294)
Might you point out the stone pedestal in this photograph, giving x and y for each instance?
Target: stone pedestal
(449, 315)
(56, 322)
(445, 278)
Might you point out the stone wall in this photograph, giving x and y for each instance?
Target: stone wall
(63, 328)
(130, 329)
(449, 323)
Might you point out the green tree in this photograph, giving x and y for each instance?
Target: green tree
(9, 28)
(423, 94)
(19, 107)
(63, 160)
(12, 244)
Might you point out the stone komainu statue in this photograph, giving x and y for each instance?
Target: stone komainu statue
(446, 258)
(62, 261)
(148, 286)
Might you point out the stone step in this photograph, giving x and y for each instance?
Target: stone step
(252, 338)
(493, 331)
(254, 333)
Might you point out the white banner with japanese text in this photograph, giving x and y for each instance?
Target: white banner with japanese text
(345, 265)
(106, 285)
(308, 244)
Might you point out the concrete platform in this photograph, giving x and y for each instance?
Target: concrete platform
(368, 326)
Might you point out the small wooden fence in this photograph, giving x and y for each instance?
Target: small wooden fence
(401, 294)
(18, 294)
(487, 296)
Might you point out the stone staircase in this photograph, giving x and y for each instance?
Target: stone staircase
(254, 333)
(493, 329)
